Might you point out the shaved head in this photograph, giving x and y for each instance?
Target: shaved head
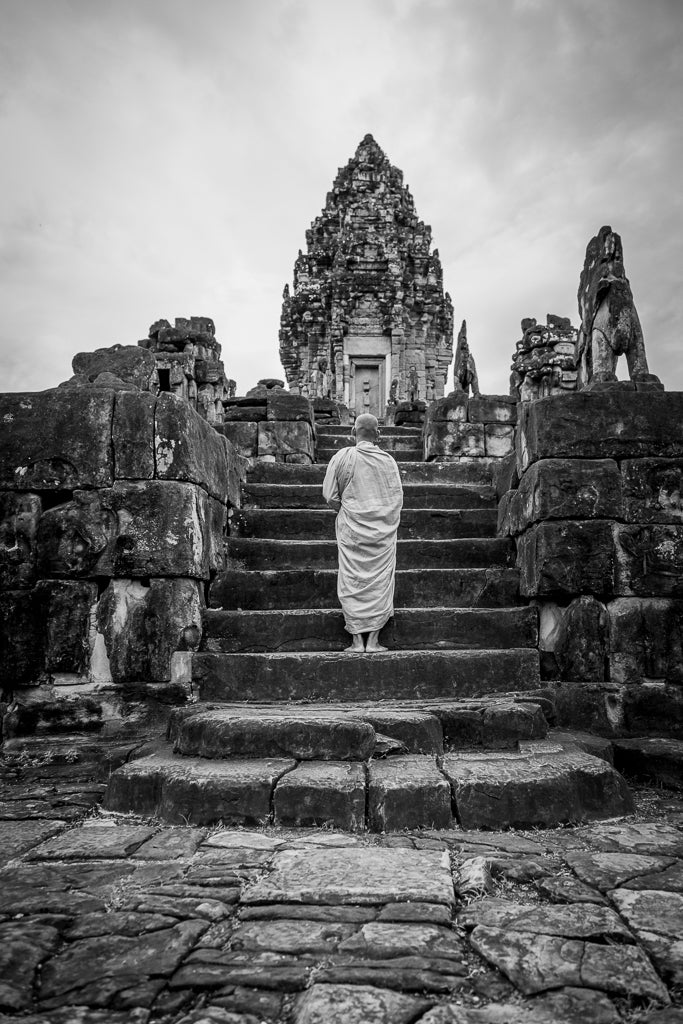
(366, 427)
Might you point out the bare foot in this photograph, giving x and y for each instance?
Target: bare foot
(357, 645)
(377, 649)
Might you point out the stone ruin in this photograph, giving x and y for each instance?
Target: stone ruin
(162, 540)
(544, 362)
(188, 364)
(368, 323)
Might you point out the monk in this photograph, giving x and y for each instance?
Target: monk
(363, 486)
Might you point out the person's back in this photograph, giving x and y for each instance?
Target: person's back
(363, 485)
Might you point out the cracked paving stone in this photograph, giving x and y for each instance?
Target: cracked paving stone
(565, 889)
(60, 888)
(382, 940)
(421, 913)
(237, 840)
(171, 844)
(100, 842)
(300, 936)
(211, 968)
(117, 970)
(609, 870)
(366, 875)
(403, 974)
(657, 920)
(116, 922)
(23, 945)
(266, 1005)
(295, 911)
(357, 1004)
(535, 962)
(652, 837)
(586, 921)
(84, 1015)
(565, 1006)
(20, 836)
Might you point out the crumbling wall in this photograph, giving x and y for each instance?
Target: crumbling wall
(270, 424)
(114, 506)
(598, 521)
(460, 427)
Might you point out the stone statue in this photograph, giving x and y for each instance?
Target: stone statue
(393, 392)
(610, 326)
(413, 383)
(232, 387)
(464, 370)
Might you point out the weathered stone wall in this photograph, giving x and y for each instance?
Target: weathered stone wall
(113, 510)
(598, 521)
(459, 427)
(270, 425)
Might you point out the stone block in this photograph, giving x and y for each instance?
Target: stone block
(601, 425)
(188, 449)
(130, 363)
(285, 437)
(215, 533)
(322, 793)
(492, 409)
(56, 440)
(648, 560)
(652, 490)
(581, 643)
(243, 436)
(244, 413)
(407, 792)
(655, 759)
(504, 525)
(19, 517)
(652, 709)
(454, 407)
(143, 624)
(566, 557)
(66, 608)
(505, 475)
(645, 639)
(281, 405)
(22, 638)
(453, 439)
(150, 528)
(499, 440)
(133, 435)
(589, 707)
(566, 489)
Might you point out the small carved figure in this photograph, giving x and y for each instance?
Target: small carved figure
(413, 383)
(464, 370)
(610, 326)
(393, 392)
(232, 387)
(431, 388)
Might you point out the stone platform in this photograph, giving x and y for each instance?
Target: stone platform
(111, 919)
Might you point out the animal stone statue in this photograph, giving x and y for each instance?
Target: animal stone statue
(609, 322)
(464, 370)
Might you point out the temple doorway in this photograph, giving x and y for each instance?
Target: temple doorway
(367, 387)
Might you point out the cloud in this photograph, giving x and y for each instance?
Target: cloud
(165, 158)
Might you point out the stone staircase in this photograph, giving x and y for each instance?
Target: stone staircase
(448, 727)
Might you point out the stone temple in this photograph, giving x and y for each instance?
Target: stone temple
(367, 322)
(172, 648)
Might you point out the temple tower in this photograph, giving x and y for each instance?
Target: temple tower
(368, 322)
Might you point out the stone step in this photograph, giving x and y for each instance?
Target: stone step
(388, 442)
(491, 790)
(467, 471)
(463, 553)
(318, 524)
(418, 495)
(354, 731)
(351, 677)
(406, 454)
(337, 430)
(317, 588)
(541, 784)
(410, 629)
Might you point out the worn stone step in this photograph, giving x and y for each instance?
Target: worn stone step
(418, 495)
(317, 588)
(233, 631)
(388, 443)
(403, 454)
(462, 553)
(318, 524)
(548, 786)
(349, 677)
(341, 430)
(466, 471)
(485, 790)
(354, 730)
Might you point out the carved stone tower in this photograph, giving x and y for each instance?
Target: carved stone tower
(368, 321)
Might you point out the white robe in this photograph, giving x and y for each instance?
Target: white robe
(367, 483)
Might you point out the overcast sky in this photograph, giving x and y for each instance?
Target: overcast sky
(164, 158)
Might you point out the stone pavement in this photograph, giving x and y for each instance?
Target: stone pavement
(111, 918)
